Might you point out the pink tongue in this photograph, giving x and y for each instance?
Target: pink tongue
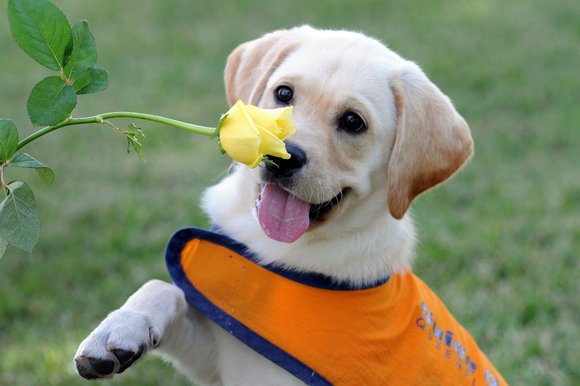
(283, 216)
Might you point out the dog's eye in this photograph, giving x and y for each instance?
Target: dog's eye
(352, 123)
(283, 94)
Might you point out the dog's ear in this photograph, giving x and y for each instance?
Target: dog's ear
(432, 139)
(251, 64)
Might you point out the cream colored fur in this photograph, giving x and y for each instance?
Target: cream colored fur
(415, 140)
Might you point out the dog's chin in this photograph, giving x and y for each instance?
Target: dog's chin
(302, 215)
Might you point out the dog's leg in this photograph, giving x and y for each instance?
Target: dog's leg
(156, 318)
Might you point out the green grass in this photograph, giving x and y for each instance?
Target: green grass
(499, 243)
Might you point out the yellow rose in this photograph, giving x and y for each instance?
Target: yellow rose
(248, 133)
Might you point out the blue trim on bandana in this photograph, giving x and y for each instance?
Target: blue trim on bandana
(311, 279)
(227, 322)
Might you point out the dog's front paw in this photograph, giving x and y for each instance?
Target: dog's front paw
(122, 338)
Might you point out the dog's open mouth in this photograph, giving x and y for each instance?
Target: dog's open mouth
(285, 217)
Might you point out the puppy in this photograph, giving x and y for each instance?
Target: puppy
(321, 290)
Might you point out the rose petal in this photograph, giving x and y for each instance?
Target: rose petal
(272, 145)
(239, 136)
(263, 118)
(277, 121)
(249, 132)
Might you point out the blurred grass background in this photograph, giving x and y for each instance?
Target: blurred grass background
(499, 243)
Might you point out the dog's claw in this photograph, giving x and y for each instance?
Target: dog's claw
(102, 366)
(120, 340)
(127, 358)
(93, 368)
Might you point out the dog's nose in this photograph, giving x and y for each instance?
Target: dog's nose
(280, 167)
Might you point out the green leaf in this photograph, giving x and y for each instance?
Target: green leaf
(3, 245)
(216, 133)
(24, 160)
(8, 139)
(134, 134)
(222, 150)
(41, 30)
(84, 52)
(95, 80)
(51, 101)
(19, 221)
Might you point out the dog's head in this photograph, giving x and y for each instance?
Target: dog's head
(370, 128)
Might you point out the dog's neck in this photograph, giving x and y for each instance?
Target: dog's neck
(359, 249)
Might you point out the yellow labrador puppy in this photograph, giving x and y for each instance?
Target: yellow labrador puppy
(325, 238)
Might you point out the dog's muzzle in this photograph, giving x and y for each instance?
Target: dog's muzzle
(283, 215)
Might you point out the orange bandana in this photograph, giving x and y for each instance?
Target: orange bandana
(396, 332)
